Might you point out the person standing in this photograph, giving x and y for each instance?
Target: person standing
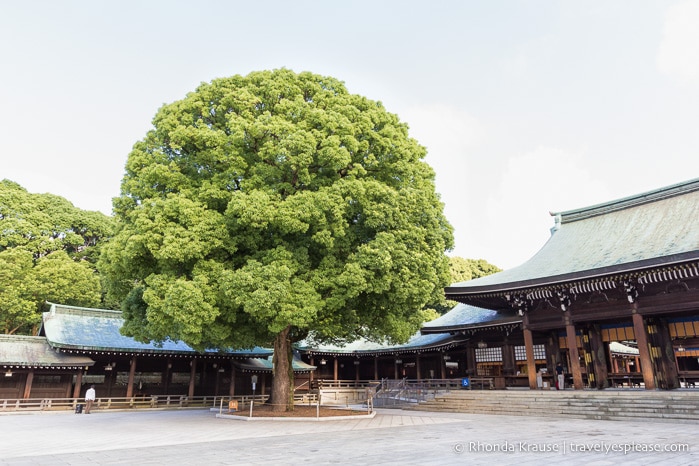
(560, 385)
(89, 398)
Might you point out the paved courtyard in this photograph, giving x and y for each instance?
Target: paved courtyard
(392, 437)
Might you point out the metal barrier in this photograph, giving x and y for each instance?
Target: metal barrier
(395, 393)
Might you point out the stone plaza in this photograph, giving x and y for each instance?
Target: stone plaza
(391, 437)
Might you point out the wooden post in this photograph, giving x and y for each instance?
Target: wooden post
(356, 369)
(442, 365)
(574, 355)
(531, 362)
(471, 364)
(132, 374)
(168, 376)
(28, 384)
(310, 375)
(599, 358)
(192, 377)
(231, 388)
(335, 368)
(78, 384)
(639, 330)
(418, 372)
(376, 368)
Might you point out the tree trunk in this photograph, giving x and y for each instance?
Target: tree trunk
(282, 373)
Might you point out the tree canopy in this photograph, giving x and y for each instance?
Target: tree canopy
(265, 208)
(48, 252)
(469, 269)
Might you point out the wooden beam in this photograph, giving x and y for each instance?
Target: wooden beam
(231, 387)
(78, 384)
(574, 356)
(132, 373)
(639, 330)
(192, 377)
(28, 384)
(531, 362)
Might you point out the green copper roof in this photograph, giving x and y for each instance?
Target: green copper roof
(653, 229)
(362, 347)
(265, 365)
(69, 327)
(464, 316)
(35, 352)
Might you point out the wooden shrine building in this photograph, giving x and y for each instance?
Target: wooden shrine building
(624, 271)
(78, 347)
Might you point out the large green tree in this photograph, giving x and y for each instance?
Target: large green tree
(48, 252)
(267, 208)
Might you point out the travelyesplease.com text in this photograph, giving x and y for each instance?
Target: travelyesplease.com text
(569, 447)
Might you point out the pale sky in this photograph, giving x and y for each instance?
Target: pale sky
(525, 107)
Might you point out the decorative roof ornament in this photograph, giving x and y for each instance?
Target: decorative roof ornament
(519, 302)
(564, 298)
(631, 291)
(556, 222)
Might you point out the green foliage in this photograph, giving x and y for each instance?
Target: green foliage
(48, 251)
(462, 270)
(469, 269)
(276, 201)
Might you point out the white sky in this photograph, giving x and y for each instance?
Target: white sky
(525, 107)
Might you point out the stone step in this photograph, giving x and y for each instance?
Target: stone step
(675, 407)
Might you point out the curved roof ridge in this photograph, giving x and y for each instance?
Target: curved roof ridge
(657, 229)
(627, 202)
(83, 311)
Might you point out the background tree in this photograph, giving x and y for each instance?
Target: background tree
(264, 209)
(48, 252)
(461, 270)
(469, 269)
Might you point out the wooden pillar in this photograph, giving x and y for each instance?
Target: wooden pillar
(78, 384)
(531, 362)
(28, 384)
(395, 369)
(356, 369)
(310, 375)
(192, 377)
(574, 355)
(168, 376)
(639, 330)
(376, 368)
(231, 387)
(202, 368)
(553, 350)
(263, 383)
(442, 365)
(471, 364)
(335, 368)
(599, 357)
(418, 372)
(667, 356)
(132, 374)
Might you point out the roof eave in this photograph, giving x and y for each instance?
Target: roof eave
(627, 268)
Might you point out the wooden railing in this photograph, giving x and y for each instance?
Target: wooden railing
(140, 402)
